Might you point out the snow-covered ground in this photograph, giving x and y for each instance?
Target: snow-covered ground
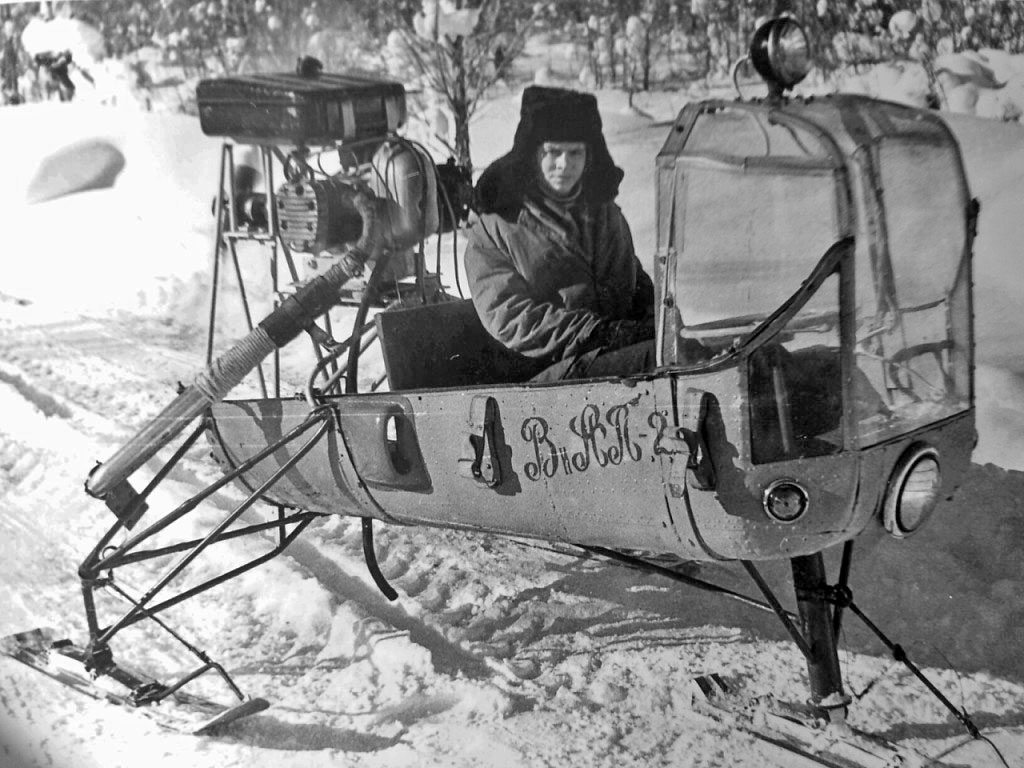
(496, 654)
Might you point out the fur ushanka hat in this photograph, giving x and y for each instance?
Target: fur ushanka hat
(549, 114)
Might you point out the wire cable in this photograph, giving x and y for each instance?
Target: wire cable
(455, 241)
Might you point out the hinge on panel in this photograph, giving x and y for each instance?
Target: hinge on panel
(479, 461)
(693, 424)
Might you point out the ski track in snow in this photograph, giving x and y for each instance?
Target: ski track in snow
(496, 654)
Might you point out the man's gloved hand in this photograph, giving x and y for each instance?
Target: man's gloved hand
(619, 334)
(624, 333)
(690, 352)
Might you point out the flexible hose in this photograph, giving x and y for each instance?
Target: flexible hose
(227, 370)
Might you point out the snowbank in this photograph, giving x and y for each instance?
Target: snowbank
(134, 238)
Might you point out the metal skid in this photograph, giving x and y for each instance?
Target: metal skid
(815, 629)
(97, 570)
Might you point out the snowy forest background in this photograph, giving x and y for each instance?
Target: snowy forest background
(451, 54)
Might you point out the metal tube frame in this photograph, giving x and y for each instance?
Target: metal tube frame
(227, 234)
(97, 570)
(104, 558)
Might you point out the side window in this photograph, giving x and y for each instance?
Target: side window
(913, 313)
(795, 384)
(744, 239)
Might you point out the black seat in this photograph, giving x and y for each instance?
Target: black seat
(445, 345)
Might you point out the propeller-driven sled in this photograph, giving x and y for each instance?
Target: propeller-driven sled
(821, 248)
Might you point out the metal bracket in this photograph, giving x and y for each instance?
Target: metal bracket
(678, 446)
(693, 427)
(127, 504)
(479, 461)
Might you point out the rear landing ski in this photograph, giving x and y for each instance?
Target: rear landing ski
(64, 662)
(803, 739)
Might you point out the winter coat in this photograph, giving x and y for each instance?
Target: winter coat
(551, 289)
(555, 280)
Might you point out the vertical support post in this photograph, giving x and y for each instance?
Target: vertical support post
(267, 159)
(843, 588)
(823, 660)
(226, 162)
(91, 620)
(245, 308)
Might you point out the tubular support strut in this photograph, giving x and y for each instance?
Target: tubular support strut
(843, 598)
(823, 660)
(125, 554)
(690, 581)
(98, 657)
(371, 561)
(815, 637)
(818, 641)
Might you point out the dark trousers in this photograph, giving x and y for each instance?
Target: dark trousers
(636, 358)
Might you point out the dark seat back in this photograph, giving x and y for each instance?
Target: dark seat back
(445, 345)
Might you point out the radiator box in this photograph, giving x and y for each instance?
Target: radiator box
(295, 109)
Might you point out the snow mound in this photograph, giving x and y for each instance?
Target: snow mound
(112, 215)
(87, 164)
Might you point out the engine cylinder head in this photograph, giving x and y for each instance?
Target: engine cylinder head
(314, 215)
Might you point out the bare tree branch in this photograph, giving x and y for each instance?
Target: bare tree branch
(462, 68)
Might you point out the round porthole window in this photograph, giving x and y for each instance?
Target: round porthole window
(785, 501)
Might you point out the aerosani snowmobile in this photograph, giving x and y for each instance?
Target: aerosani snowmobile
(820, 247)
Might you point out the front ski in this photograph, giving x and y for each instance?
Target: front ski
(231, 714)
(805, 741)
(62, 661)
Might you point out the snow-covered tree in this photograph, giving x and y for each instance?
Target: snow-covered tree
(458, 50)
(228, 36)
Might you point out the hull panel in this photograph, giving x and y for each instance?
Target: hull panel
(587, 463)
(576, 463)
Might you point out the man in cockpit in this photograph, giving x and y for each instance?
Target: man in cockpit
(550, 259)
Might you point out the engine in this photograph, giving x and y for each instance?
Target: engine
(352, 120)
